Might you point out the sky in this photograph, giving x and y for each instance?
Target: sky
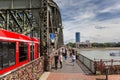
(96, 20)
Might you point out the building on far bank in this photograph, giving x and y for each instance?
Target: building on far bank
(85, 44)
(77, 37)
(80, 44)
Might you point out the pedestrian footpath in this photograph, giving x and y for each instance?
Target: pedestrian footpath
(44, 76)
(68, 67)
(79, 76)
(76, 72)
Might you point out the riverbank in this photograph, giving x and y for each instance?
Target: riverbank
(107, 48)
(97, 59)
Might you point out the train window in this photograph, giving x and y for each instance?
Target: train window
(1, 55)
(12, 51)
(7, 54)
(23, 48)
(0, 62)
(32, 51)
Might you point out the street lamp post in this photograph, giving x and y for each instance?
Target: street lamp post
(106, 72)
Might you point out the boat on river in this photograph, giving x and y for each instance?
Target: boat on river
(115, 54)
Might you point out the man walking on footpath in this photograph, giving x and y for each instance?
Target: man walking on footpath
(64, 53)
(61, 60)
(56, 60)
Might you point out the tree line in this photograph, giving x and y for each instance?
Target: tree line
(99, 45)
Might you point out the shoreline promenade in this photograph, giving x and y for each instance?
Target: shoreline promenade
(76, 72)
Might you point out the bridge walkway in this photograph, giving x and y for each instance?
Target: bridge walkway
(76, 72)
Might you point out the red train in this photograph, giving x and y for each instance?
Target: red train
(16, 50)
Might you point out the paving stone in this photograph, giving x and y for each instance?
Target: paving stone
(76, 72)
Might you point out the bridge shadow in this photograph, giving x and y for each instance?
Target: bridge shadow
(55, 68)
(100, 79)
(69, 64)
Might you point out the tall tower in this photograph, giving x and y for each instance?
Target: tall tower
(77, 37)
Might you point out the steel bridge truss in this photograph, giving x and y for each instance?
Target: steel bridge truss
(35, 18)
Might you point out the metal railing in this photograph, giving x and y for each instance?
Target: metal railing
(87, 62)
(98, 66)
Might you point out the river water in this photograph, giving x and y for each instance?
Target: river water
(99, 54)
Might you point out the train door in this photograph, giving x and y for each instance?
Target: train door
(36, 51)
(32, 51)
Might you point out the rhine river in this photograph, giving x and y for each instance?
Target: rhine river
(99, 54)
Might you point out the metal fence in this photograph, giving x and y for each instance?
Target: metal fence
(87, 62)
(100, 66)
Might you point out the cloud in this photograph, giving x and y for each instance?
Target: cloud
(111, 9)
(100, 27)
(96, 20)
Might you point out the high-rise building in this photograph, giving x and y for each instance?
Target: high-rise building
(77, 37)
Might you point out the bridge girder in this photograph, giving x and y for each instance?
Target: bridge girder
(36, 18)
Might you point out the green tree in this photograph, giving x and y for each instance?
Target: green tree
(71, 44)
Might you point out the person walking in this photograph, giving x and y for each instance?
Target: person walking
(60, 60)
(73, 58)
(56, 60)
(64, 53)
(71, 52)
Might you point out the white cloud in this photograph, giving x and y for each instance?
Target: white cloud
(111, 9)
(89, 32)
(83, 19)
(85, 15)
